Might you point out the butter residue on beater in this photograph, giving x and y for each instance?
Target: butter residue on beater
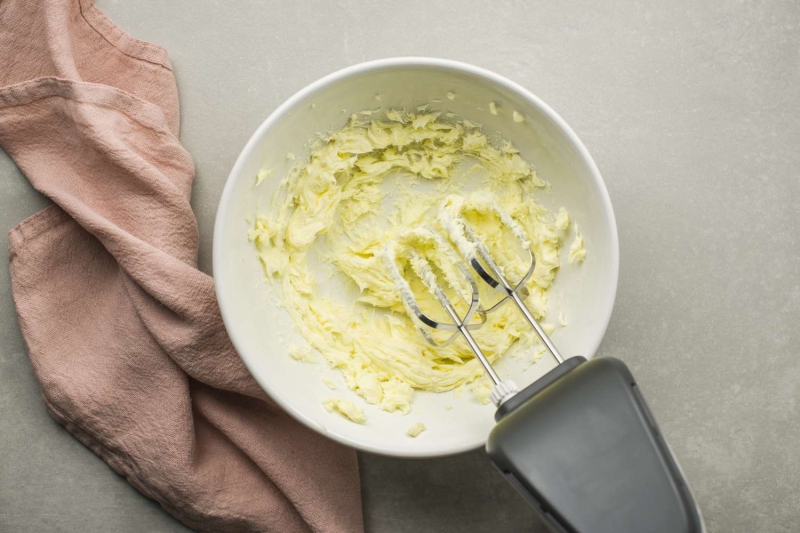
(334, 199)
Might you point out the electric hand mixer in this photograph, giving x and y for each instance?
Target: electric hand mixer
(579, 444)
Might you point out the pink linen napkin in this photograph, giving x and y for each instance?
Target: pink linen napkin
(123, 331)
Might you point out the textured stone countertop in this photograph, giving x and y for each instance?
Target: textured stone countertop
(692, 112)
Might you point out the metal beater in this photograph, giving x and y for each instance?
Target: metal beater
(475, 252)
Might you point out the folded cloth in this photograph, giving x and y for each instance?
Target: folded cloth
(123, 330)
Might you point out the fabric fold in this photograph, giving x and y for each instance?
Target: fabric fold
(123, 330)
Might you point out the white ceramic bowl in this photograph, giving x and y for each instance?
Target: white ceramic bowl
(261, 332)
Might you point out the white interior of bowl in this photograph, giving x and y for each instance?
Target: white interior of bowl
(262, 332)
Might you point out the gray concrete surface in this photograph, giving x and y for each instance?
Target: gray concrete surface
(692, 112)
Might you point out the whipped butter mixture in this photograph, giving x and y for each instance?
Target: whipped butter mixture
(363, 187)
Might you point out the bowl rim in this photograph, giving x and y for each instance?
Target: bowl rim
(604, 312)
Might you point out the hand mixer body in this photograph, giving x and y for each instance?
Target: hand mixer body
(583, 449)
(580, 443)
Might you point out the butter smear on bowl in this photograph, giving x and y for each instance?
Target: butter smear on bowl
(359, 188)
